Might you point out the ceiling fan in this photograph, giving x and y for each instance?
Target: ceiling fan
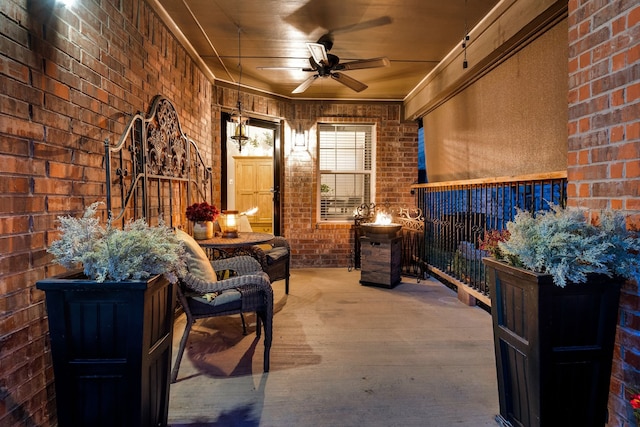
(324, 64)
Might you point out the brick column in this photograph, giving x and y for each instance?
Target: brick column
(604, 150)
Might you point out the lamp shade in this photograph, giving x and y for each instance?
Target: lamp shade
(240, 133)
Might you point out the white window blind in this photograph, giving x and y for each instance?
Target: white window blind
(346, 169)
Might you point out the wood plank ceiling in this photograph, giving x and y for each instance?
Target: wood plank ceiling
(415, 35)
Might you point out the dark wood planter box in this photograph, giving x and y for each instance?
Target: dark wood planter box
(553, 346)
(111, 350)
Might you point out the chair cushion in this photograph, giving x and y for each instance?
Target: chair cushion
(276, 254)
(197, 262)
(225, 301)
(218, 299)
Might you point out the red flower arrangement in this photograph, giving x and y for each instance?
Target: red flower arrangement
(635, 404)
(202, 212)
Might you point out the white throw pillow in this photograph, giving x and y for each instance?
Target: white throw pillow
(198, 263)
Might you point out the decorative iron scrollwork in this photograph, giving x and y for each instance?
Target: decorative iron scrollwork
(166, 144)
(153, 152)
(411, 218)
(366, 212)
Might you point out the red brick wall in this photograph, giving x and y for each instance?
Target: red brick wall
(317, 244)
(604, 150)
(69, 78)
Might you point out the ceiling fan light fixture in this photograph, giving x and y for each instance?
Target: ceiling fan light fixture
(318, 52)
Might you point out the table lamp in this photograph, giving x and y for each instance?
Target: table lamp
(229, 224)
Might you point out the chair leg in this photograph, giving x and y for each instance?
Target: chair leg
(244, 324)
(286, 277)
(183, 343)
(267, 338)
(258, 325)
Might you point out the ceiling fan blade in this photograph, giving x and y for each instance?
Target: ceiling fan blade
(349, 82)
(279, 68)
(286, 68)
(305, 84)
(372, 23)
(318, 53)
(364, 63)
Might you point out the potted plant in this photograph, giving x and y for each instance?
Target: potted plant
(554, 302)
(111, 322)
(202, 214)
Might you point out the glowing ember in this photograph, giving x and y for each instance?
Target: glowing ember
(382, 219)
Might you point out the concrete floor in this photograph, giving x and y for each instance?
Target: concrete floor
(343, 354)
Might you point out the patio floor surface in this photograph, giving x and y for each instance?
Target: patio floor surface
(343, 354)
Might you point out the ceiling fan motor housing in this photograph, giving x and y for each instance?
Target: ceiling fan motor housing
(325, 69)
(327, 41)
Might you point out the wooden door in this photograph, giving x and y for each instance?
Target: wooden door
(254, 185)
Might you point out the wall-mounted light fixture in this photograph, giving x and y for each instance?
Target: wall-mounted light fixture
(300, 138)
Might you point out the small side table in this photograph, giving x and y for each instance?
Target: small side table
(243, 239)
(227, 246)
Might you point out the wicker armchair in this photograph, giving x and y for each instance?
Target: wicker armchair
(250, 291)
(275, 261)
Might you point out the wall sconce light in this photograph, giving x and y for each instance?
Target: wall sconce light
(300, 138)
(229, 224)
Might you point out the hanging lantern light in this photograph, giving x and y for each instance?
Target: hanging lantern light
(240, 132)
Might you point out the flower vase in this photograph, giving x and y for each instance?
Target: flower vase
(203, 230)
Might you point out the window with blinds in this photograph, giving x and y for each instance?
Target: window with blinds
(346, 169)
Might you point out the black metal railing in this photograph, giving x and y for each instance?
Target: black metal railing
(457, 214)
(412, 221)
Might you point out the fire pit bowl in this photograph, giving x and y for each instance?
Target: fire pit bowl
(390, 230)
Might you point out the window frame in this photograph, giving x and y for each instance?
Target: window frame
(348, 213)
